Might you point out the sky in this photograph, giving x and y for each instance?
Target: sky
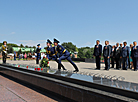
(81, 22)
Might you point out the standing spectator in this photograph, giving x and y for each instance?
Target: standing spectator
(125, 55)
(4, 51)
(130, 58)
(117, 52)
(106, 55)
(134, 55)
(38, 53)
(121, 45)
(112, 56)
(14, 55)
(97, 53)
(25, 56)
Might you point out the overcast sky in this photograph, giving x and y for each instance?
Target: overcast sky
(78, 21)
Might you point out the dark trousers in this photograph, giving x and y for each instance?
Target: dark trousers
(98, 62)
(37, 60)
(51, 58)
(4, 59)
(135, 63)
(112, 62)
(67, 56)
(117, 63)
(125, 63)
(107, 63)
(120, 65)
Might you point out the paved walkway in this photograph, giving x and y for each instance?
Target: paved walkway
(129, 75)
(11, 91)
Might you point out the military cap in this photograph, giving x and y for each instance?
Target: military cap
(4, 42)
(38, 45)
(56, 41)
(48, 41)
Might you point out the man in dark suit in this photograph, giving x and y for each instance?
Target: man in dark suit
(117, 54)
(97, 53)
(112, 56)
(106, 55)
(121, 45)
(134, 55)
(125, 55)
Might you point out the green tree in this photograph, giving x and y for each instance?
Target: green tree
(10, 49)
(26, 46)
(88, 54)
(21, 46)
(19, 52)
(69, 46)
(34, 47)
(81, 54)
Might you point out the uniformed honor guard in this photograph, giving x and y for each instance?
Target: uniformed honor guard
(97, 54)
(134, 55)
(51, 53)
(38, 53)
(63, 54)
(4, 51)
(106, 54)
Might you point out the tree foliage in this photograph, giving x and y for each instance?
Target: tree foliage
(21, 45)
(69, 46)
(10, 49)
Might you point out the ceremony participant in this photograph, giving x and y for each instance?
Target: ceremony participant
(134, 55)
(106, 55)
(38, 53)
(112, 56)
(130, 58)
(4, 51)
(51, 53)
(97, 54)
(121, 45)
(125, 56)
(64, 54)
(117, 53)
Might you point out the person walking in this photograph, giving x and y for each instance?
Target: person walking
(106, 55)
(134, 55)
(97, 54)
(117, 53)
(125, 56)
(64, 54)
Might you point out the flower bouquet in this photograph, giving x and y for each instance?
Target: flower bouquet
(45, 64)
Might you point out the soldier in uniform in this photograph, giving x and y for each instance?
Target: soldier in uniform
(51, 53)
(4, 51)
(64, 54)
(38, 53)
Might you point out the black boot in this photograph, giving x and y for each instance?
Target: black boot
(76, 68)
(63, 67)
(59, 67)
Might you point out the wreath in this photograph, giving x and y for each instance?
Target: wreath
(44, 63)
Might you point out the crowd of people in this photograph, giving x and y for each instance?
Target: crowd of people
(120, 54)
(124, 56)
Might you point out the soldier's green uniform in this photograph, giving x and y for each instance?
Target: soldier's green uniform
(4, 51)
